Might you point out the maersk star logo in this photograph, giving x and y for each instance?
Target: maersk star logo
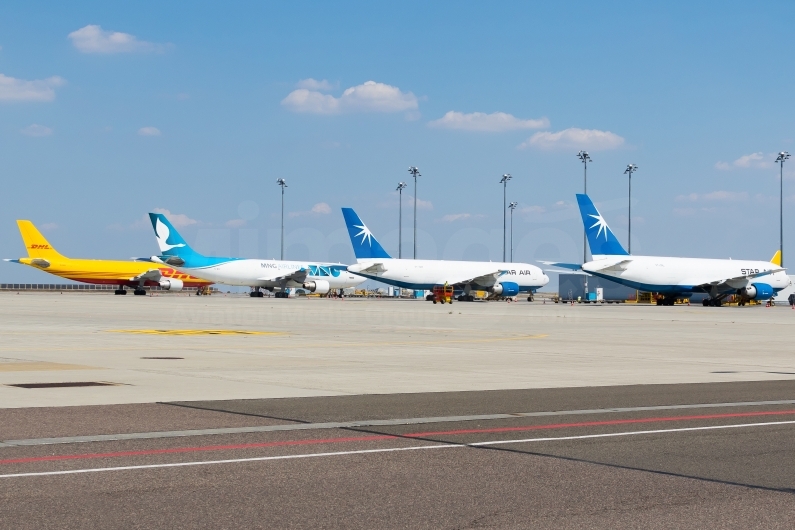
(601, 223)
(366, 234)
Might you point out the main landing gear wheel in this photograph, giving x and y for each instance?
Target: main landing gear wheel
(256, 294)
(120, 291)
(140, 292)
(281, 295)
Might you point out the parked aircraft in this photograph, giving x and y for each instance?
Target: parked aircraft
(273, 275)
(135, 274)
(674, 277)
(498, 279)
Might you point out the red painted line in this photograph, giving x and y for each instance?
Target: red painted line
(287, 443)
(599, 423)
(192, 449)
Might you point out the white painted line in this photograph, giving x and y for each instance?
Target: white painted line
(370, 423)
(390, 450)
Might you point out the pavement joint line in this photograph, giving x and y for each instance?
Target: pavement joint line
(366, 423)
(390, 450)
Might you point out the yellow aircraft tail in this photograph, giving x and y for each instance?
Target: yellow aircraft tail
(776, 260)
(35, 243)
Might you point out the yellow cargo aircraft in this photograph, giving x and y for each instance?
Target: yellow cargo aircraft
(135, 274)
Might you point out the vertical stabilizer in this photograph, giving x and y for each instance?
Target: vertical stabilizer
(169, 240)
(600, 238)
(776, 260)
(365, 245)
(36, 244)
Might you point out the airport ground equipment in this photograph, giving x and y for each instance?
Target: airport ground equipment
(274, 275)
(136, 274)
(673, 277)
(499, 280)
(443, 294)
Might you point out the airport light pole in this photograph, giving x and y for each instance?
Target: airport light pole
(782, 156)
(400, 188)
(512, 206)
(631, 168)
(415, 172)
(504, 181)
(584, 158)
(283, 184)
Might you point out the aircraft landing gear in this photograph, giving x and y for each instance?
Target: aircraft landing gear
(256, 293)
(466, 298)
(281, 294)
(140, 292)
(712, 302)
(120, 290)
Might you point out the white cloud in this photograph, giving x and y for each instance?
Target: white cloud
(449, 218)
(314, 84)
(754, 160)
(179, 220)
(482, 122)
(321, 208)
(149, 131)
(94, 39)
(235, 223)
(36, 130)
(368, 97)
(574, 138)
(12, 89)
(715, 196)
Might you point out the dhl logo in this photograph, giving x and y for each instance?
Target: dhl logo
(171, 273)
(39, 247)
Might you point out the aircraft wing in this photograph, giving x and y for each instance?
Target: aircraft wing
(486, 280)
(725, 281)
(297, 275)
(152, 274)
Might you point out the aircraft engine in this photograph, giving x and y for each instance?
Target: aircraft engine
(170, 284)
(317, 286)
(505, 289)
(757, 291)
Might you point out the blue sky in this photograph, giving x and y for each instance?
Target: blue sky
(108, 111)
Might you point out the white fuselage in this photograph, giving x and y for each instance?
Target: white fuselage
(425, 274)
(271, 273)
(683, 275)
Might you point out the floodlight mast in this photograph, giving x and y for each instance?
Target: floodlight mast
(782, 156)
(631, 168)
(401, 186)
(415, 172)
(512, 206)
(504, 181)
(283, 184)
(584, 158)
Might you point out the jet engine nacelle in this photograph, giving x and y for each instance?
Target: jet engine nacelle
(170, 284)
(317, 286)
(505, 289)
(757, 291)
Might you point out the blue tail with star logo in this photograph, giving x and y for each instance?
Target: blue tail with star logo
(365, 245)
(600, 238)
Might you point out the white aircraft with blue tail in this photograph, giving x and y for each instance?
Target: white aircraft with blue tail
(672, 277)
(273, 275)
(497, 279)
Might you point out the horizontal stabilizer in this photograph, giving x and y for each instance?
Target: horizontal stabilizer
(570, 266)
(367, 268)
(621, 266)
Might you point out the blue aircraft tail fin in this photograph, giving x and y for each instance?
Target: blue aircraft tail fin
(600, 238)
(170, 241)
(365, 245)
